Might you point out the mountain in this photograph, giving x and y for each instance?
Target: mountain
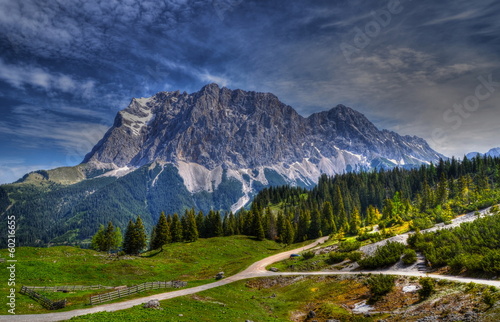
(212, 149)
(495, 152)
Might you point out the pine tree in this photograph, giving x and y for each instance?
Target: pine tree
(107, 239)
(200, 224)
(98, 239)
(328, 224)
(258, 228)
(176, 229)
(128, 240)
(161, 235)
(339, 209)
(135, 237)
(190, 228)
(140, 232)
(303, 226)
(315, 227)
(355, 222)
(288, 232)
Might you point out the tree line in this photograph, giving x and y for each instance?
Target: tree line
(344, 204)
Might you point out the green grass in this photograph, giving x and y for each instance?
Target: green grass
(256, 300)
(196, 263)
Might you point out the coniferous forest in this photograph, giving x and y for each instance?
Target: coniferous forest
(343, 205)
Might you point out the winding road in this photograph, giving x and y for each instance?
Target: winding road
(257, 269)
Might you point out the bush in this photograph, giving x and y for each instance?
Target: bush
(354, 256)
(380, 285)
(373, 237)
(427, 289)
(409, 256)
(308, 255)
(335, 258)
(385, 255)
(349, 246)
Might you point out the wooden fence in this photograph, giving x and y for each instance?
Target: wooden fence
(45, 302)
(68, 288)
(100, 298)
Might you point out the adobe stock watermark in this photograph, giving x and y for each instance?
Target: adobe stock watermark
(455, 116)
(381, 18)
(11, 264)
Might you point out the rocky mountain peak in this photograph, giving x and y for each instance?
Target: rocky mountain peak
(236, 129)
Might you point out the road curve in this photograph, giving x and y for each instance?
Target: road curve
(255, 270)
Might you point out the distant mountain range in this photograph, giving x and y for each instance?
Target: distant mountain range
(212, 149)
(495, 152)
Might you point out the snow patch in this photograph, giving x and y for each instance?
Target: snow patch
(143, 100)
(135, 122)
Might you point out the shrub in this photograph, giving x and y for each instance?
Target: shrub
(349, 246)
(380, 285)
(385, 255)
(427, 289)
(354, 256)
(308, 255)
(409, 256)
(335, 258)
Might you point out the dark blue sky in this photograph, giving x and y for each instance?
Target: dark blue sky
(426, 68)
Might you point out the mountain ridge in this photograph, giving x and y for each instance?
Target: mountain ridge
(209, 150)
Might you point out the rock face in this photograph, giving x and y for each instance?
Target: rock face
(219, 131)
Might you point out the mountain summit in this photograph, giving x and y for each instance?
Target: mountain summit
(212, 149)
(246, 132)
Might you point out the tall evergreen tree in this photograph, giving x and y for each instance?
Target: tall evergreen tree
(355, 222)
(107, 239)
(258, 229)
(135, 237)
(315, 227)
(190, 228)
(176, 229)
(161, 234)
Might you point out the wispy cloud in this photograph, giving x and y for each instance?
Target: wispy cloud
(27, 75)
(31, 126)
(469, 14)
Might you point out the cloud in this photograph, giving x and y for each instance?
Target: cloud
(36, 127)
(466, 15)
(23, 75)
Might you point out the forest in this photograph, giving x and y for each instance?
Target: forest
(350, 204)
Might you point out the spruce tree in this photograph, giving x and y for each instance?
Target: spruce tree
(128, 240)
(355, 222)
(176, 229)
(107, 239)
(161, 233)
(189, 228)
(135, 237)
(315, 227)
(258, 228)
(98, 239)
(140, 235)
